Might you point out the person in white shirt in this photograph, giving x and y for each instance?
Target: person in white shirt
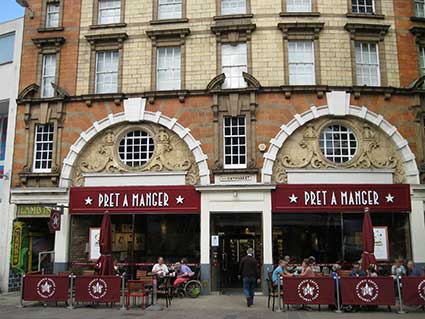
(160, 268)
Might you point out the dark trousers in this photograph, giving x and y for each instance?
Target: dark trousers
(249, 284)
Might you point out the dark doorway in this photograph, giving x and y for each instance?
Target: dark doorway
(237, 232)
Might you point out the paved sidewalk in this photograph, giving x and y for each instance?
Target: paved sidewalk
(205, 307)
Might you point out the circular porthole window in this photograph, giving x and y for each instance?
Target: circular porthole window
(136, 148)
(338, 143)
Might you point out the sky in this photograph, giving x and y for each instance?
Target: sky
(9, 10)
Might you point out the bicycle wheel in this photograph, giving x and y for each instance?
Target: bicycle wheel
(193, 289)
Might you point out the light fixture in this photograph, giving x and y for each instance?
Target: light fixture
(25, 4)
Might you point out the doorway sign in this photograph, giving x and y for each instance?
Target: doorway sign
(341, 197)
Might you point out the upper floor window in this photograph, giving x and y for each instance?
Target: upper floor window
(233, 7)
(7, 44)
(48, 75)
(298, 6)
(52, 15)
(367, 64)
(168, 68)
(363, 6)
(106, 72)
(43, 148)
(338, 143)
(301, 63)
(420, 8)
(233, 62)
(422, 60)
(234, 142)
(136, 148)
(109, 11)
(169, 9)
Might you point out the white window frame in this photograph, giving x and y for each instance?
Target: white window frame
(362, 65)
(238, 144)
(10, 39)
(130, 140)
(295, 78)
(357, 5)
(108, 70)
(234, 61)
(170, 9)
(229, 7)
(48, 129)
(109, 6)
(296, 6)
(48, 75)
(53, 15)
(422, 60)
(345, 135)
(420, 8)
(168, 65)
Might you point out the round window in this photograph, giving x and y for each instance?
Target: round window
(136, 148)
(338, 143)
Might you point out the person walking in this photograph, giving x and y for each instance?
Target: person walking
(249, 270)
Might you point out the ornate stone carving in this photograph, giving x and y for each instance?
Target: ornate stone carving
(302, 150)
(170, 154)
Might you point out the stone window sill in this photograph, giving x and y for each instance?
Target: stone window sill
(108, 26)
(365, 16)
(235, 171)
(299, 14)
(169, 21)
(234, 16)
(56, 29)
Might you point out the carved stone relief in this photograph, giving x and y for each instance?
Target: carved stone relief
(302, 150)
(170, 154)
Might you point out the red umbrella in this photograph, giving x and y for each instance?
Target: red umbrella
(368, 256)
(105, 264)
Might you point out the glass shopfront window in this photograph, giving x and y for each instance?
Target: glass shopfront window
(331, 237)
(170, 236)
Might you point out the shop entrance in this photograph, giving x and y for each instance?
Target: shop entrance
(236, 233)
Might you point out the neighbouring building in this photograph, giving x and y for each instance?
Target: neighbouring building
(10, 61)
(207, 127)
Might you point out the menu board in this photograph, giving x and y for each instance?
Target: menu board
(94, 247)
(381, 243)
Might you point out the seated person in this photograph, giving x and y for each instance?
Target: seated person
(315, 267)
(307, 271)
(160, 268)
(398, 269)
(280, 271)
(413, 270)
(372, 271)
(183, 273)
(357, 271)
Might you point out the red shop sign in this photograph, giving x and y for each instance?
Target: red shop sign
(97, 289)
(169, 199)
(337, 197)
(413, 290)
(46, 288)
(304, 291)
(367, 291)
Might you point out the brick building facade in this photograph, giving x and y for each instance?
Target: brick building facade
(234, 97)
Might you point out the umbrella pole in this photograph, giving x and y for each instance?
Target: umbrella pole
(401, 311)
(133, 223)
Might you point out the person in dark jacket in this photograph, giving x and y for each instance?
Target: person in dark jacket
(249, 270)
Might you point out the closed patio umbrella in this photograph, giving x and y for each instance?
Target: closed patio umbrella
(105, 264)
(368, 256)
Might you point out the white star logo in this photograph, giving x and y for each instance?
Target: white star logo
(308, 290)
(389, 198)
(45, 288)
(97, 289)
(293, 199)
(88, 201)
(180, 199)
(367, 290)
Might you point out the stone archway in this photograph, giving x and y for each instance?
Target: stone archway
(339, 105)
(134, 112)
